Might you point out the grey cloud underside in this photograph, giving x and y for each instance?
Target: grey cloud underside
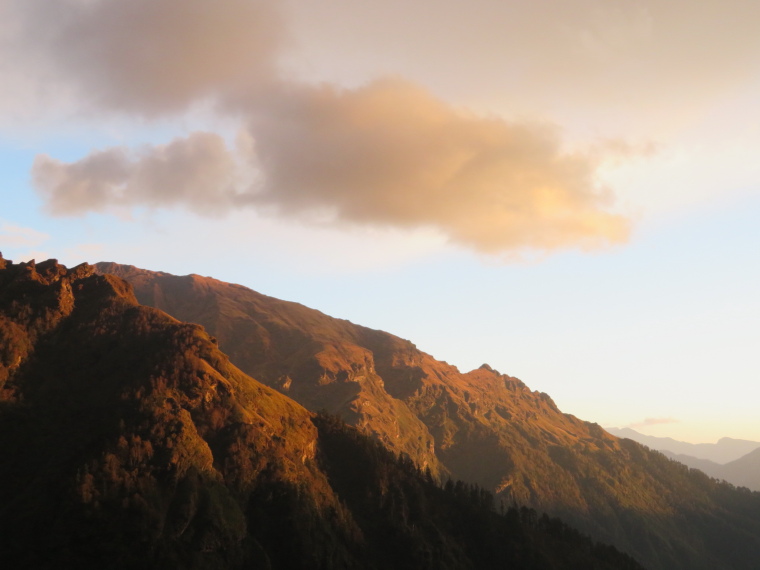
(197, 171)
(155, 57)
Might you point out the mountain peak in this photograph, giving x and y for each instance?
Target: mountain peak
(487, 367)
(46, 272)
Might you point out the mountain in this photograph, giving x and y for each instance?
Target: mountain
(481, 426)
(736, 461)
(725, 450)
(322, 362)
(745, 471)
(121, 427)
(130, 441)
(708, 467)
(742, 472)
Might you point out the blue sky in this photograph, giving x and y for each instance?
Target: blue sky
(621, 279)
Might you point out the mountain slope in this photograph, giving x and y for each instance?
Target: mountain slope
(321, 362)
(745, 471)
(111, 407)
(724, 450)
(130, 441)
(706, 466)
(481, 426)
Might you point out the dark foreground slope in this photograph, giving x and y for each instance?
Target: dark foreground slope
(482, 426)
(128, 440)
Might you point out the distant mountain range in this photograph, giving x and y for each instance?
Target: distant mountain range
(726, 449)
(734, 460)
(483, 427)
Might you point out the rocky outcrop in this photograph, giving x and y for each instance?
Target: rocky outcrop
(110, 407)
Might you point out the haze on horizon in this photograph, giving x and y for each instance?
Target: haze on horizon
(568, 192)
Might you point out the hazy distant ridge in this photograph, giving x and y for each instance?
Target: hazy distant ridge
(723, 451)
(742, 472)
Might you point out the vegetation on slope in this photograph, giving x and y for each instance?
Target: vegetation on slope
(130, 441)
(484, 427)
(410, 521)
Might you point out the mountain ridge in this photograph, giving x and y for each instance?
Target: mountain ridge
(742, 472)
(480, 426)
(130, 441)
(726, 449)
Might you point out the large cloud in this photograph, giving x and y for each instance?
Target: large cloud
(645, 60)
(387, 154)
(392, 154)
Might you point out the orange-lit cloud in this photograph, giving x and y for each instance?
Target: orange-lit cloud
(392, 154)
(388, 154)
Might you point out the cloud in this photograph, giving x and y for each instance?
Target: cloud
(21, 243)
(391, 154)
(388, 154)
(149, 57)
(198, 172)
(14, 236)
(653, 422)
(152, 56)
(635, 59)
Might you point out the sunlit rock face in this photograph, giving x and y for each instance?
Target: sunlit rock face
(481, 426)
(321, 362)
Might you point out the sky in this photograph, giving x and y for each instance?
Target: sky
(567, 191)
